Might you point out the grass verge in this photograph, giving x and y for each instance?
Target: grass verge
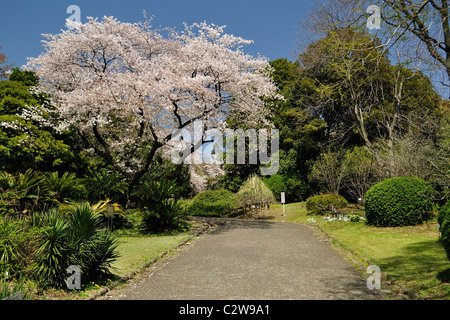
(137, 250)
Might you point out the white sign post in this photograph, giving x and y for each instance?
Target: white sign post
(283, 201)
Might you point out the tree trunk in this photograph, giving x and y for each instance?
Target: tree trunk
(144, 169)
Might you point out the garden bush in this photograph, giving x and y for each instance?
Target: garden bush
(445, 235)
(297, 190)
(32, 190)
(61, 187)
(103, 185)
(402, 201)
(213, 203)
(277, 184)
(160, 203)
(444, 212)
(18, 243)
(9, 201)
(326, 204)
(54, 249)
(74, 238)
(27, 187)
(444, 226)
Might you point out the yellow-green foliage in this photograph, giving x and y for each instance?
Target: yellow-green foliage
(254, 191)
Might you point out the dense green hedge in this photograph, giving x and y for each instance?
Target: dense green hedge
(444, 226)
(326, 204)
(444, 212)
(213, 203)
(401, 201)
(296, 190)
(277, 184)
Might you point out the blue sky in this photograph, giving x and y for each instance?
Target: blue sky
(271, 24)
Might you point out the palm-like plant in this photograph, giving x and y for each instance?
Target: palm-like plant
(94, 247)
(162, 207)
(27, 187)
(99, 208)
(83, 222)
(60, 188)
(6, 181)
(75, 237)
(104, 185)
(29, 180)
(99, 253)
(54, 250)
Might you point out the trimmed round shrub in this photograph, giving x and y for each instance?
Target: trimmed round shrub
(401, 201)
(215, 203)
(325, 204)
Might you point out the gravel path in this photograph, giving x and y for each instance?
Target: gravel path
(251, 260)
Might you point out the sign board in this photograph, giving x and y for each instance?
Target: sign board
(110, 211)
(283, 197)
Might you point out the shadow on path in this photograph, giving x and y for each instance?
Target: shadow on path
(227, 224)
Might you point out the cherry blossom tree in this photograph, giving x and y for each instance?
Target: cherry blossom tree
(128, 88)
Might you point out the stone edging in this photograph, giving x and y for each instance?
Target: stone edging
(144, 266)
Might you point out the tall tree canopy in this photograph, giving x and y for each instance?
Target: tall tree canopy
(420, 27)
(25, 141)
(387, 80)
(343, 92)
(362, 96)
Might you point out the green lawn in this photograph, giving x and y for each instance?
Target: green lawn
(412, 256)
(137, 250)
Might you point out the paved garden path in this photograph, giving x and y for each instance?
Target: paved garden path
(259, 260)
